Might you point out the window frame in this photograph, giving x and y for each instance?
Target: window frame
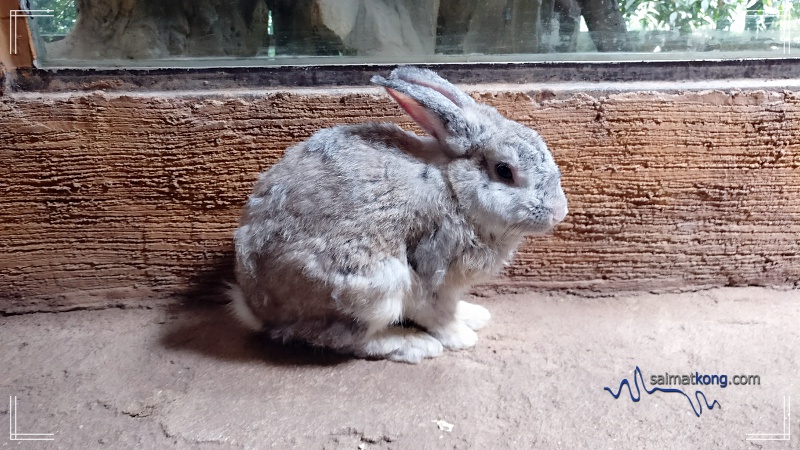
(24, 74)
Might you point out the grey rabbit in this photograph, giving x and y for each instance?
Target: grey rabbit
(363, 229)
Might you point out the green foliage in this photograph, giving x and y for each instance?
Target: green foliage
(63, 19)
(688, 15)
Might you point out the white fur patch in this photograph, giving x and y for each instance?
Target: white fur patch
(401, 344)
(389, 284)
(238, 306)
(387, 312)
(473, 316)
(390, 275)
(455, 335)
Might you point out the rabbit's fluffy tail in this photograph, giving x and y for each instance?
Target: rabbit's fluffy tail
(239, 308)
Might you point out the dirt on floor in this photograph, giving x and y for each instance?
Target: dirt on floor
(188, 377)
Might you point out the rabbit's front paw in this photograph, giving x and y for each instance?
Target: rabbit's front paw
(455, 335)
(402, 345)
(473, 316)
(417, 347)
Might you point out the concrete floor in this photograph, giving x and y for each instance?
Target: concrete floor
(188, 378)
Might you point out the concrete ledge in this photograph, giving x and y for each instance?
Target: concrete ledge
(191, 378)
(114, 198)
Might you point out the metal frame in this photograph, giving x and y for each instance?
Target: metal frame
(171, 79)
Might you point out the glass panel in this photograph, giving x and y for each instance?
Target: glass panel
(176, 33)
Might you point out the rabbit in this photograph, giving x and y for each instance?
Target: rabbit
(363, 231)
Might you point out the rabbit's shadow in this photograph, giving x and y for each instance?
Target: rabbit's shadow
(202, 323)
(212, 331)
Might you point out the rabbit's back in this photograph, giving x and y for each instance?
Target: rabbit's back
(346, 203)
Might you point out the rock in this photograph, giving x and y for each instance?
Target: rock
(145, 29)
(490, 27)
(356, 27)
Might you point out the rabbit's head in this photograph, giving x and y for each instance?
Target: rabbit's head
(501, 171)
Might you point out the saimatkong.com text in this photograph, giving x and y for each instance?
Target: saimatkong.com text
(698, 379)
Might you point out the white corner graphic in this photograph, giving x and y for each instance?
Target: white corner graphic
(787, 430)
(12, 24)
(12, 426)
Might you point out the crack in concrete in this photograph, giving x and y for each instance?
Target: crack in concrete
(152, 404)
(363, 436)
(189, 440)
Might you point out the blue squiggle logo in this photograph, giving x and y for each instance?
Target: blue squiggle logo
(637, 376)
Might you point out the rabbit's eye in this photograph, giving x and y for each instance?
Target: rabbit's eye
(504, 172)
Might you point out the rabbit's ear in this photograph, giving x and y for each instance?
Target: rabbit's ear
(433, 111)
(429, 78)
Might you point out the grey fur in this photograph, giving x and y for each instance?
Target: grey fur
(426, 78)
(364, 226)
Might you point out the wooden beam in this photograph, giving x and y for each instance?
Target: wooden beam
(16, 46)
